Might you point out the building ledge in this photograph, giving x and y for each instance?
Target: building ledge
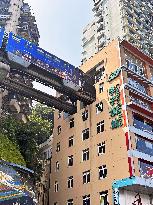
(142, 133)
(140, 108)
(140, 77)
(138, 92)
(140, 155)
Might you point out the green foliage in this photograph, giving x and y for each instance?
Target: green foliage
(41, 120)
(28, 136)
(9, 151)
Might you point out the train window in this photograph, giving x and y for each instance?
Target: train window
(40, 51)
(16, 38)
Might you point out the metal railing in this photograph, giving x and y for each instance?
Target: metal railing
(143, 126)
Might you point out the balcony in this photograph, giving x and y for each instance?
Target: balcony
(144, 146)
(143, 126)
(137, 85)
(140, 105)
(138, 89)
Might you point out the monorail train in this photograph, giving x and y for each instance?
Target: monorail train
(20, 49)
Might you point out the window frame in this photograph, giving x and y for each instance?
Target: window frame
(70, 182)
(85, 153)
(86, 177)
(71, 141)
(84, 133)
(69, 160)
(104, 170)
(100, 127)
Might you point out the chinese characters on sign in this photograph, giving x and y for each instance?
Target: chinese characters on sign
(116, 106)
(138, 200)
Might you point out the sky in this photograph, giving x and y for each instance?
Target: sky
(61, 23)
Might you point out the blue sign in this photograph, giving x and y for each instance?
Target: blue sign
(1, 36)
(37, 56)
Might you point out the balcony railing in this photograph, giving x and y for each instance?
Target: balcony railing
(144, 146)
(137, 85)
(140, 102)
(143, 126)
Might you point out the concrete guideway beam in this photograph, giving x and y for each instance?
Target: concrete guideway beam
(37, 95)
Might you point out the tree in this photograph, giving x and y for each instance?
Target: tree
(28, 136)
(9, 151)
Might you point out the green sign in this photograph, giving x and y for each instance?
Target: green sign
(114, 74)
(116, 107)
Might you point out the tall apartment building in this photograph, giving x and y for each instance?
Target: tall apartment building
(129, 20)
(89, 41)
(16, 16)
(103, 154)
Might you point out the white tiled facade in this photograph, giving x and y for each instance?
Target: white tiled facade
(129, 20)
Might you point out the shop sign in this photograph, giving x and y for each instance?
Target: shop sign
(116, 196)
(114, 74)
(116, 107)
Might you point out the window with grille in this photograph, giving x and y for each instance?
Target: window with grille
(102, 172)
(59, 129)
(71, 141)
(85, 154)
(100, 127)
(99, 108)
(104, 198)
(56, 186)
(70, 202)
(58, 147)
(57, 166)
(70, 160)
(101, 87)
(71, 122)
(85, 115)
(70, 182)
(86, 177)
(101, 148)
(85, 134)
(86, 200)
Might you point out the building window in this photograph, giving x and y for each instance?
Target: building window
(59, 114)
(56, 186)
(100, 127)
(70, 202)
(71, 141)
(101, 87)
(71, 122)
(85, 154)
(104, 198)
(86, 177)
(101, 148)
(102, 172)
(86, 200)
(58, 129)
(57, 166)
(99, 108)
(70, 182)
(85, 115)
(85, 134)
(58, 147)
(70, 160)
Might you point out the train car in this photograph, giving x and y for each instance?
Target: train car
(30, 52)
(1, 36)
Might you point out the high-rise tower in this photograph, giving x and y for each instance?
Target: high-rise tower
(129, 20)
(16, 16)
